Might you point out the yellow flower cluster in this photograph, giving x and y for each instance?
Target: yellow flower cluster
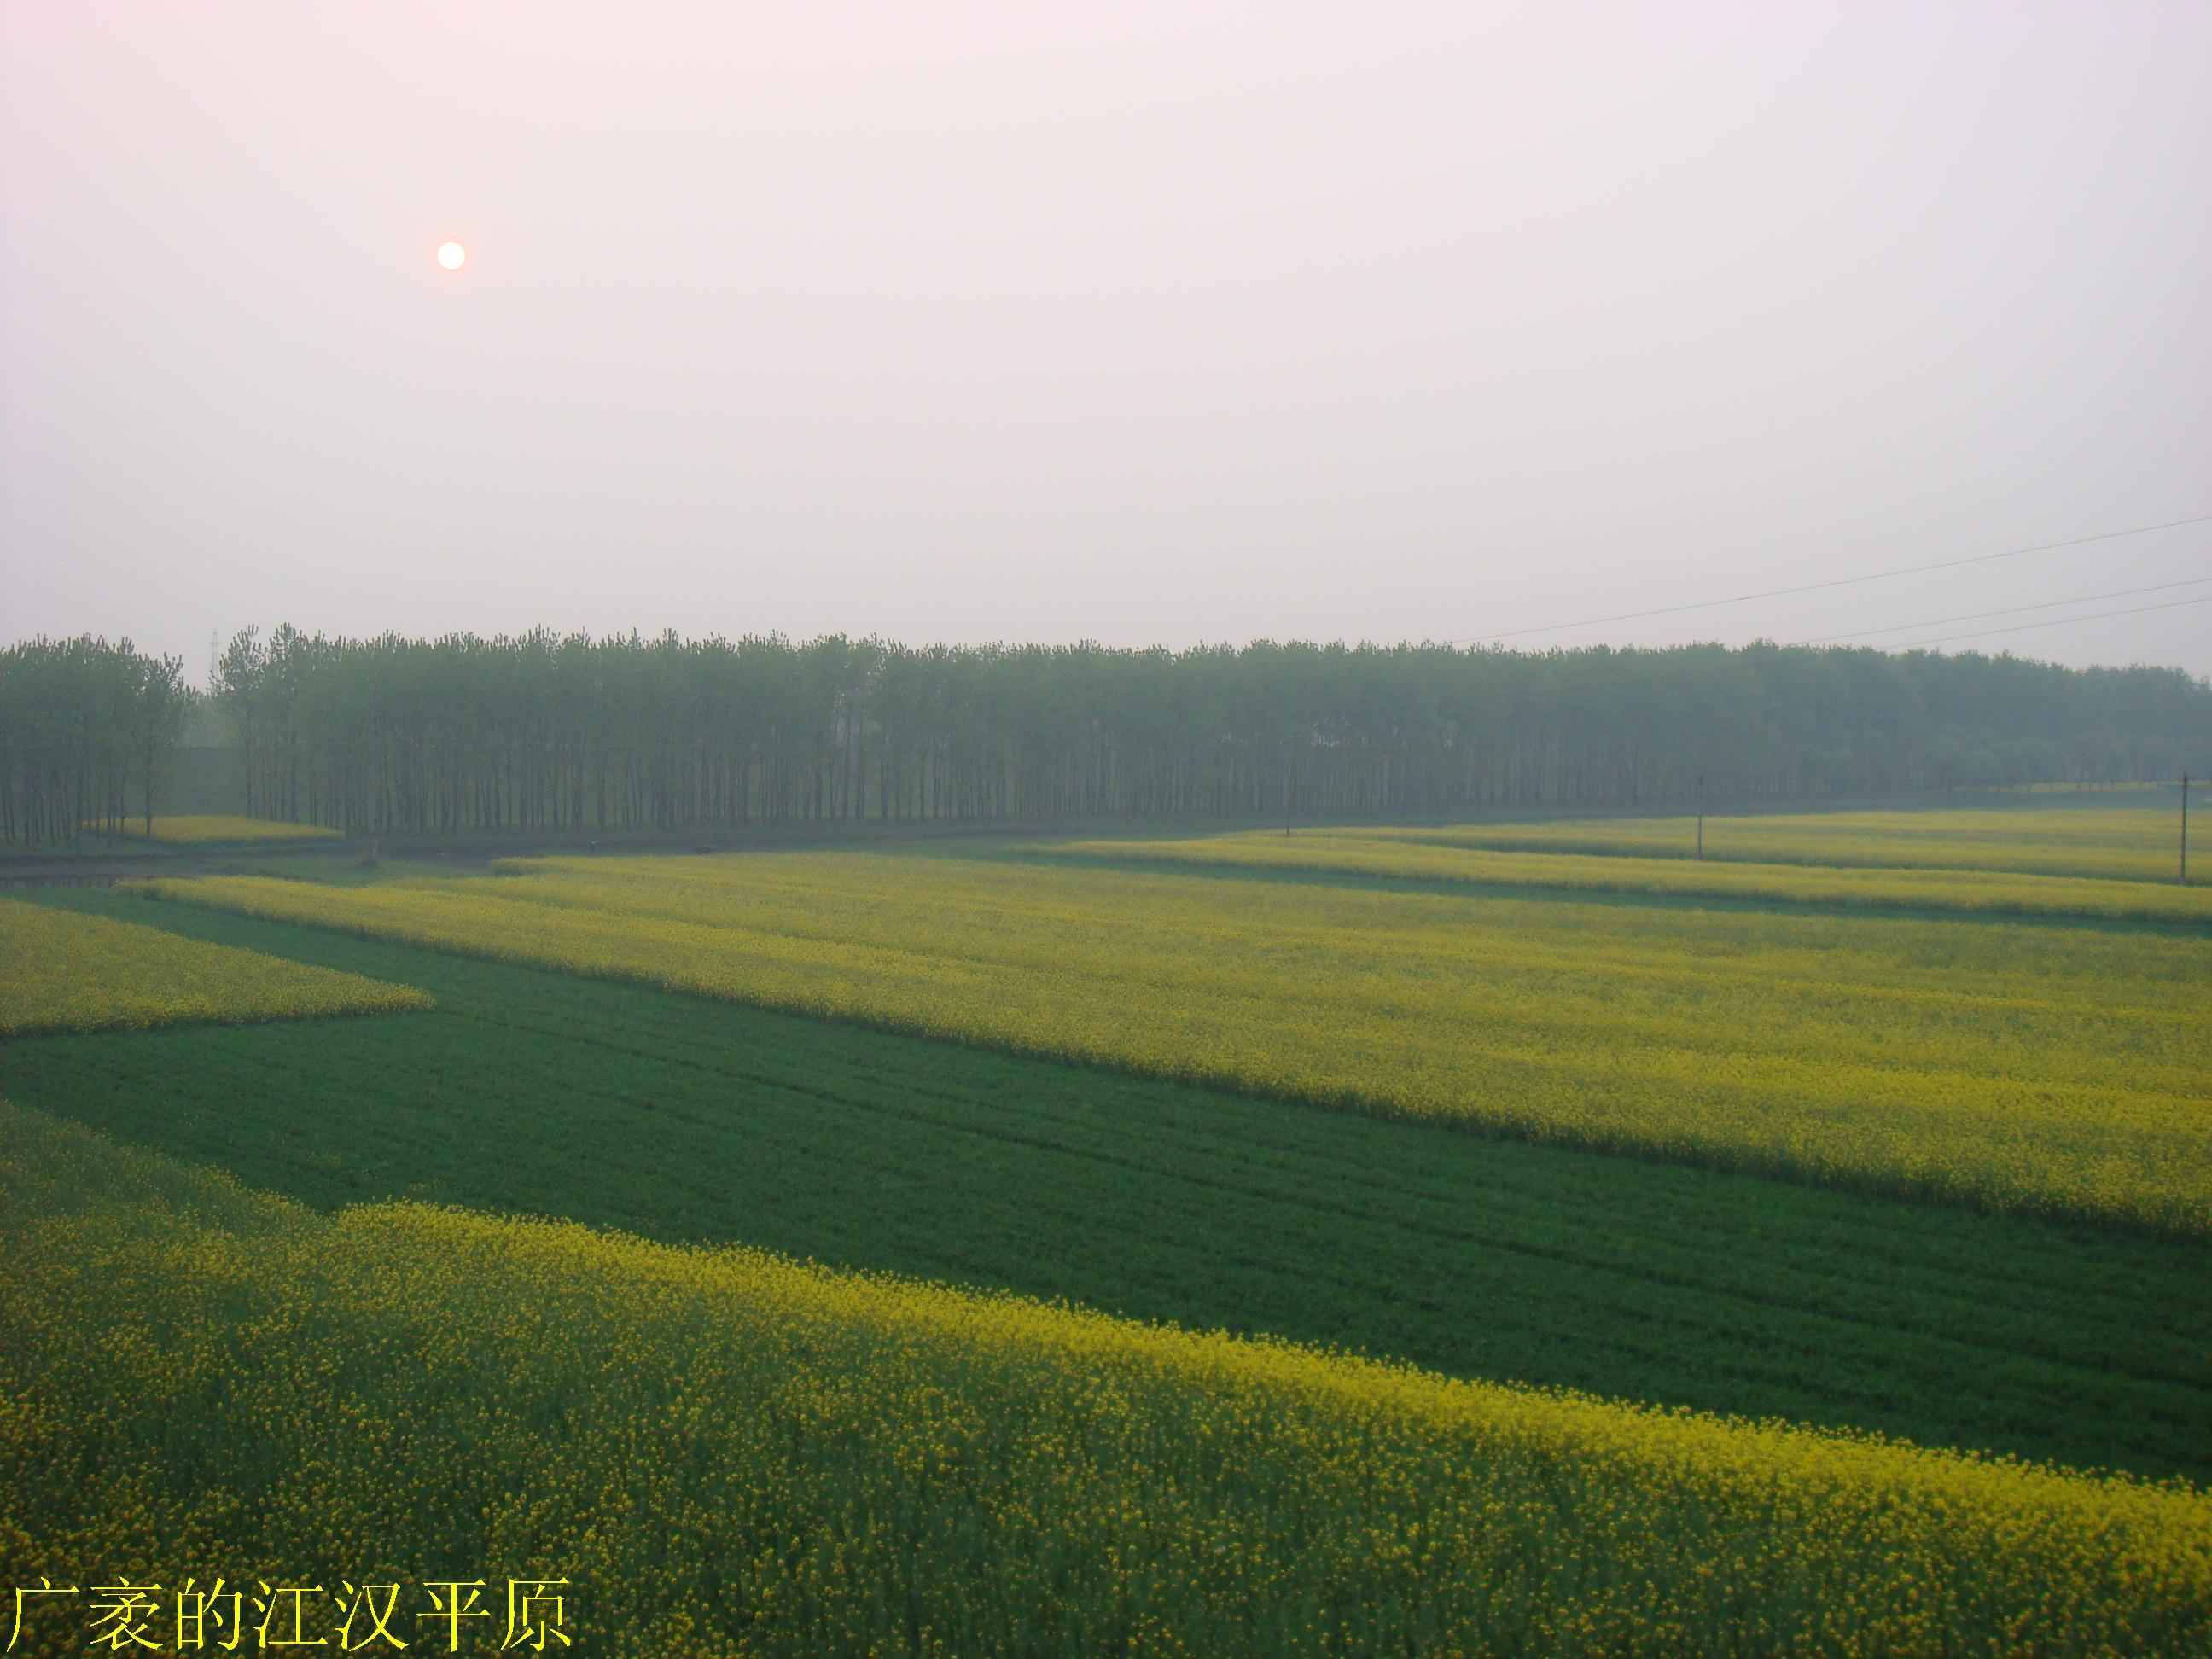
(64, 971)
(1366, 853)
(2120, 844)
(724, 1452)
(2005, 1064)
(192, 831)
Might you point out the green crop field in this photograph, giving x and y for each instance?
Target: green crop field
(725, 1451)
(1703, 1163)
(689, 1121)
(2061, 1071)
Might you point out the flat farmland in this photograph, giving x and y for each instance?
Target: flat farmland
(2058, 1071)
(218, 829)
(985, 1249)
(63, 971)
(2130, 841)
(688, 1120)
(720, 1451)
(1431, 859)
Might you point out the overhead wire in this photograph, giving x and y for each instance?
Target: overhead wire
(2014, 611)
(2054, 621)
(1839, 581)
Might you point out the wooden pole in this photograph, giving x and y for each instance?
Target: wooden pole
(2185, 828)
(1701, 818)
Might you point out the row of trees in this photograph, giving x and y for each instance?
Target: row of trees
(550, 733)
(84, 727)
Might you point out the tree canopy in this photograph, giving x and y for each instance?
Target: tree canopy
(546, 732)
(80, 722)
(550, 731)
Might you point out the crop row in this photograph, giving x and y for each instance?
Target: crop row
(61, 971)
(194, 831)
(1364, 853)
(2122, 843)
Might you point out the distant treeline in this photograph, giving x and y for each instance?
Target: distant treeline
(86, 729)
(544, 733)
(550, 733)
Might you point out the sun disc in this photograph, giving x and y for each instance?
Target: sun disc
(452, 255)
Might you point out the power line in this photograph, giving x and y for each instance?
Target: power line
(2054, 621)
(1977, 615)
(1840, 581)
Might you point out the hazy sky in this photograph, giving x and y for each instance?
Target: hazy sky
(1143, 323)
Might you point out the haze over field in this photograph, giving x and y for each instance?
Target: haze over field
(1142, 324)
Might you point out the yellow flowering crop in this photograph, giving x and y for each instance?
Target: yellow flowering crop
(2122, 843)
(63, 971)
(187, 831)
(726, 1452)
(1362, 852)
(2006, 1065)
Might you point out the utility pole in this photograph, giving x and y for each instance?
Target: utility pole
(2185, 828)
(1701, 818)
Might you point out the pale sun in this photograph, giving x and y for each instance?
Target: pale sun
(452, 255)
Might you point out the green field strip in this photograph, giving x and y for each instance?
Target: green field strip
(685, 1120)
(1443, 1216)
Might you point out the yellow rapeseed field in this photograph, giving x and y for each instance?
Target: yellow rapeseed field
(63, 971)
(2124, 843)
(2017, 1065)
(1359, 852)
(188, 831)
(724, 1452)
